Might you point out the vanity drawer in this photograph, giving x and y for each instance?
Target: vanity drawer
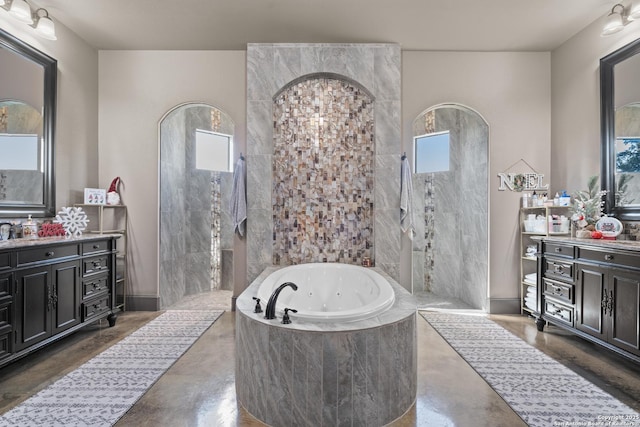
(6, 287)
(47, 254)
(558, 311)
(95, 265)
(5, 345)
(90, 248)
(609, 257)
(558, 249)
(5, 319)
(95, 286)
(558, 290)
(558, 269)
(5, 260)
(95, 307)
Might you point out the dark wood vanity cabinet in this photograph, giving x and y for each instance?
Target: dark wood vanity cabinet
(50, 289)
(608, 305)
(600, 300)
(47, 301)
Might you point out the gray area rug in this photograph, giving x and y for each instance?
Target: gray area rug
(101, 391)
(543, 392)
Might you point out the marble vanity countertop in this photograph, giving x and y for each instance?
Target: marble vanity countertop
(630, 245)
(38, 241)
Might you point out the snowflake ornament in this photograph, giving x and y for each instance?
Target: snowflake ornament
(74, 220)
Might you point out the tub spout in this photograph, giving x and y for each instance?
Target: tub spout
(270, 312)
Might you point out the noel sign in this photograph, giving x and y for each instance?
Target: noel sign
(521, 181)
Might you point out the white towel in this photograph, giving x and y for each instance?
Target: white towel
(238, 204)
(406, 199)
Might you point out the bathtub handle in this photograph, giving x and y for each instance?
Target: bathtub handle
(258, 309)
(285, 319)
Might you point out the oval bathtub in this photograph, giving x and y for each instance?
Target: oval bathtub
(329, 292)
(323, 369)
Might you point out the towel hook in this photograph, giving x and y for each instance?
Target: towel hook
(404, 155)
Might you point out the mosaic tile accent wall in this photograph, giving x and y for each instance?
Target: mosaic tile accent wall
(323, 172)
(3, 119)
(375, 67)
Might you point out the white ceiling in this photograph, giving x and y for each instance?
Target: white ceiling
(471, 25)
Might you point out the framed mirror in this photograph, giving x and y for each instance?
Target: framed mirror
(27, 121)
(620, 131)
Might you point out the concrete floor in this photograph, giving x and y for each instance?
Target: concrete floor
(199, 390)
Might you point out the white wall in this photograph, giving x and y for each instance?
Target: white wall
(136, 89)
(76, 131)
(512, 92)
(575, 106)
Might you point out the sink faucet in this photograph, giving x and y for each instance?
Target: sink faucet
(11, 231)
(270, 312)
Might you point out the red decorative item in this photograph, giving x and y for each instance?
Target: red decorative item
(113, 197)
(51, 230)
(114, 185)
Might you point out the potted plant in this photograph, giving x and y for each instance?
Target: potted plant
(587, 208)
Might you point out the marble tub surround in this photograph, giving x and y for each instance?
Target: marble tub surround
(312, 374)
(374, 67)
(196, 237)
(451, 248)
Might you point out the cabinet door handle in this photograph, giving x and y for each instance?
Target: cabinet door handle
(50, 253)
(558, 250)
(608, 257)
(610, 303)
(96, 246)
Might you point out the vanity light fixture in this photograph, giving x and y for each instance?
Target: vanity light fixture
(615, 20)
(20, 10)
(44, 25)
(39, 20)
(619, 17)
(634, 12)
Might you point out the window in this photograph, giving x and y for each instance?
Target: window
(19, 152)
(214, 151)
(431, 152)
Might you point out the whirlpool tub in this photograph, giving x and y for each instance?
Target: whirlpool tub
(329, 292)
(349, 355)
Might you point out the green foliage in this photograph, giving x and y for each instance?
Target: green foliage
(629, 159)
(622, 182)
(587, 205)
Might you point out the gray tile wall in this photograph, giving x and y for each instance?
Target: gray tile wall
(187, 207)
(453, 235)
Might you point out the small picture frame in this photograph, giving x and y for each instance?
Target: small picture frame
(95, 196)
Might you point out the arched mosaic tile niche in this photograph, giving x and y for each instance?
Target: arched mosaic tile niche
(451, 249)
(196, 237)
(323, 172)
